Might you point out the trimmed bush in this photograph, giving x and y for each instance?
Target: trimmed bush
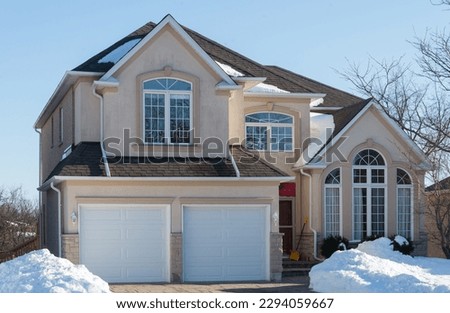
(402, 244)
(332, 244)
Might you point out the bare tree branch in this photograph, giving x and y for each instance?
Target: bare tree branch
(419, 103)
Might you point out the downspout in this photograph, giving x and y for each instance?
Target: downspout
(104, 158)
(58, 192)
(41, 213)
(310, 215)
(233, 162)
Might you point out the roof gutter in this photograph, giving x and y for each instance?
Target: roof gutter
(102, 113)
(59, 179)
(69, 78)
(282, 95)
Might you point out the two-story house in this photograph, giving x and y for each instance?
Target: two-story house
(169, 157)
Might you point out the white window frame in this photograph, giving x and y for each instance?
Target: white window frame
(333, 186)
(369, 186)
(167, 94)
(269, 126)
(409, 187)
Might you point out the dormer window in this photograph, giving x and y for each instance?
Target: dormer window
(167, 111)
(269, 131)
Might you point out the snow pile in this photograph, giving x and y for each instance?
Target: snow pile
(229, 70)
(374, 267)
(266, 88)
(115, 55)
(40, 271)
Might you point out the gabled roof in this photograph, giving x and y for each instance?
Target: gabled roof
(347, 117)
(86, 161)
(283, 79)
(168, 20)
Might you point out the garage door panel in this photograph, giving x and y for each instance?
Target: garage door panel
(225, 243)
(198, 217)
(101, 215)
(106, 234)
(212, 272)
(249, 236)
(125, 243)
(145, 231)
(196, 252)
(137, 272)
(109, 250)
(146, 255)
(246, 252)
(215, 234)
(154, 216)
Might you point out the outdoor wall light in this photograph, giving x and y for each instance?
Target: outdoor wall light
(74, 217)
(275, 219)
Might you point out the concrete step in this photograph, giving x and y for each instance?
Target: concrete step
(296, 268)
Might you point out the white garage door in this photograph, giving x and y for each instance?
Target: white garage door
(125, 243)
(225, 243)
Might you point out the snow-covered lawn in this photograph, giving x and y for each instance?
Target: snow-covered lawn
(41, 271)
(374, 267)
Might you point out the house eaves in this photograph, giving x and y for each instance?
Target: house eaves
(281, 95)
(59, 179)
(169, 20)
(68, 80)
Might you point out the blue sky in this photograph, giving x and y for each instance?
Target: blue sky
(43, 39)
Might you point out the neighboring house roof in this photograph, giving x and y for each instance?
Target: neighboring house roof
(86, 160)
(440, 185)
(279, 77)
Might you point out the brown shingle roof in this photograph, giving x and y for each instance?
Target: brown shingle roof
(250, 164)
(86, 160)
(334, 97)
(277, 76)
(343, 116)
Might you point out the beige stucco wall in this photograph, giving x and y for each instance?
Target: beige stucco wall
(241, 105)
(166, 55)
(369, 132)
(175, 193)
(52, 147)
(86, 112)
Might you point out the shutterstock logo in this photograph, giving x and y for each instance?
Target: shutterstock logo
(213, 149)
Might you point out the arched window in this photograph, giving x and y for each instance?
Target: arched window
(369, 194)
(167, 111)
(332, 201)
(269, 130)
(404, 204)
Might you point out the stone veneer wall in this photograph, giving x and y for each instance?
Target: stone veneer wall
(70, 245)
(176, 257)
(276, 256)
(71, 251)
(306, 247)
